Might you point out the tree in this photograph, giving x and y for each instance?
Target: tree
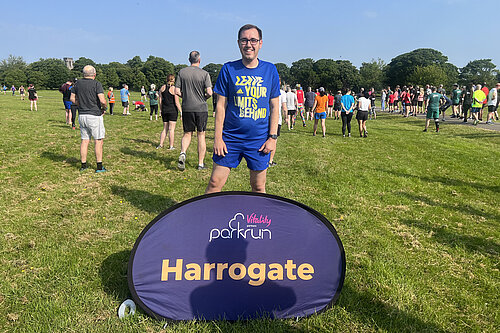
(12, 62)
(156, 70)
(302, 72)
(284, 73)
(326, 72)
(14, 77)
(80, 63)
(54, 72)
(213, 70)
(348, 75)
(398, 70)
(135, 63)
(479, 71)
(177, 68)
(372, 74)
(432, 74)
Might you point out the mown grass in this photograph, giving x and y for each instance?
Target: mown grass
(418, 214)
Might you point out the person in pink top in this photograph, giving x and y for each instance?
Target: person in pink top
(300, 104)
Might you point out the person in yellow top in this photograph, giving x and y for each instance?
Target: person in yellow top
(319, 109)
(478, 97)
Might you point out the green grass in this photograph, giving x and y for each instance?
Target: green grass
(418, 214)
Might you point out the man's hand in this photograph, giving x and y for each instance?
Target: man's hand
(220, 148)
(268, 146)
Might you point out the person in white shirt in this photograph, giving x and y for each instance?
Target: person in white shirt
(282, 111)
(364, 106)
(292, 105)
(492, 103)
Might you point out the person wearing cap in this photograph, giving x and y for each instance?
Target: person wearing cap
(456, 95)
(153, 102)
(319, 108)
(492, 103)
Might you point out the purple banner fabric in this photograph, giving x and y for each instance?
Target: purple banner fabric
(236, 255)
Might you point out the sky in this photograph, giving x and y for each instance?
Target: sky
(356, 30)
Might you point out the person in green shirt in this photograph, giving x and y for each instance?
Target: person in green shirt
(434, 101)
(456, 95)
(478, 98)
(153, 102)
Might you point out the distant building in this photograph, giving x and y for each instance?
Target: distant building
(69, 63)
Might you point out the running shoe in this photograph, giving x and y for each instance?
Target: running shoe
(171, 148)
(425, 130)
(202, 167)
(159, 147)
(181, 164)
(101, 170)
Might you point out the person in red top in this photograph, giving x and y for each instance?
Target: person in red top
(486, 92)
(300, 103)
(139, 105)
(406, 100)
(330, 105)
(111, 100)
(392, 97)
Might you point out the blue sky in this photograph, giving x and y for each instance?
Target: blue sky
(358, 31)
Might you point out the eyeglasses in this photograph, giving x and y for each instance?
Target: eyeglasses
(244, 41)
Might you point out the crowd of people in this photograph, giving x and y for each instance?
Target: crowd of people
(250, 104)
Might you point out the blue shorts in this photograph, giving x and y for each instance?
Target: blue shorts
(321, 115)
(67, 105)
(256, 160)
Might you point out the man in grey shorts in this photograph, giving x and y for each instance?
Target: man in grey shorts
(88, 94)
(193, 85)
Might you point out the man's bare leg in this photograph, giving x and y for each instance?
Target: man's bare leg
(258, 180)
(218, 178)
(202, 148)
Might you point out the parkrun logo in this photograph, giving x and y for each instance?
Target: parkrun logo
(254, 227)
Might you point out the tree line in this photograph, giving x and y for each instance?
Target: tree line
(418, 67)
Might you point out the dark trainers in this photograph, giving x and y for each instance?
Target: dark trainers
(83, 169)
(101, 170)
(181, 164)
(202, 167)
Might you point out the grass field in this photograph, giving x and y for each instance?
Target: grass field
(418, 214)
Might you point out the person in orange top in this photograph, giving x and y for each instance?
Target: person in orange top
(111, 99)
(319, 109)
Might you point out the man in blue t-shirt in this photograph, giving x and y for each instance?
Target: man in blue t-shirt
(125, 96)
(246, 120)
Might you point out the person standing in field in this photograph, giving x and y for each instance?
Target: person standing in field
(246, 121)
(125, 97)
(33, 97)
(456, 96)
(143, 94)
(364, 106)
(193, 85)
(88, 94)
(111, 100)
(282, 112)
(13, 88)
(153, 102)
(170, 107)
(337, 105)
(320, 108)
(309, 102)
(478, 98)
(372, 99)
(347, 102)
(434, 101)
(21, 92)
(492, 103)
(300, 104)
(291, 104)
(65, 90)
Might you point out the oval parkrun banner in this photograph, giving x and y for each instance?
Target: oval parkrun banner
(236, 255)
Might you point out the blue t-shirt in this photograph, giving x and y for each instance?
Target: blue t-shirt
(248, 92)
(124, 94)
(347, 100)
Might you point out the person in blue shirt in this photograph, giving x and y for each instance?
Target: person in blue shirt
(346, 112)
(246, 119)
(125, 96)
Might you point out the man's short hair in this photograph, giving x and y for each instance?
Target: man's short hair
(248, 27)
(88, 71)
(194, 57)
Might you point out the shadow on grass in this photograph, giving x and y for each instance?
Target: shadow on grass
(149, 155)
(60, 158)
(480, 135)
(373, 312)
(445, 181)
(149, 142)
(464, 208)
(444, 236)
(113, 274)
(151, 203)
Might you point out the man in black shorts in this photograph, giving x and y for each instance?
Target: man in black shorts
(193, 85)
